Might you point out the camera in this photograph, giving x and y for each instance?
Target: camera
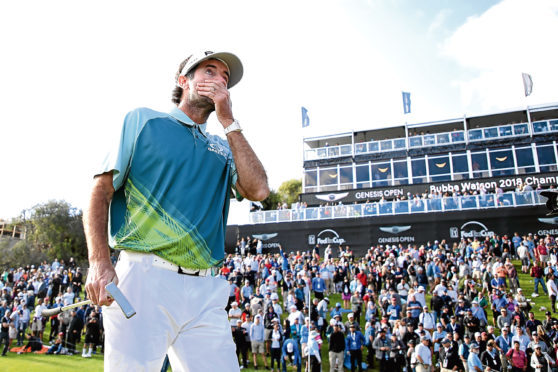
(551, 202)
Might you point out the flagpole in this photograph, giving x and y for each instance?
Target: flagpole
(310, 320)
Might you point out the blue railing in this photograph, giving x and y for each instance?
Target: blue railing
(455, 203)
(436, 139)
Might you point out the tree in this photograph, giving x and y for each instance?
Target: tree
(57, 230)
(290, 190)
(288, 193)
(271, 201)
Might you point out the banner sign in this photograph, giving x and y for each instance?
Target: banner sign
(418, 228)
(507, 183)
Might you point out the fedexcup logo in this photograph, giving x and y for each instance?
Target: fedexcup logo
(395, 229)
(327, 236)
(473, 229)
(265, 237)
(332, 197)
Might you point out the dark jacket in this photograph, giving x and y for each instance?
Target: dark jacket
(450, 358)
(337, 342)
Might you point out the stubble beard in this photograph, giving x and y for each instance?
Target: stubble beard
(200, 103)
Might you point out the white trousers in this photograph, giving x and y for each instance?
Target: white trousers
(179, 315)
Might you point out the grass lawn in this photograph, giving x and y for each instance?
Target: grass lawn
(61, 363)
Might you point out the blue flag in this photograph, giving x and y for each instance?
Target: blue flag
(305, 118)
(406, 102)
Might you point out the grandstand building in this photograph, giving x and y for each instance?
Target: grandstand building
(469, 177)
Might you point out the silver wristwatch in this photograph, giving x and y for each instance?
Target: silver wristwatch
(234, 127)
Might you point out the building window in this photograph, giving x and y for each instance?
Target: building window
(547, 158)
(381, 174)
(501, 162)
(346, 177)
(362, 176)
(400, 173)
(439, 168)
(525, 161)
(460, 166)
(310, 180)
(418, 167)
(328, 177)
(480, 165)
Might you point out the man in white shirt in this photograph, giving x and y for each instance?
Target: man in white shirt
(423, 356)
(427, 319)
(523, 254)
(295, 314)
(403, 289)
(552, 291)
(419, 296)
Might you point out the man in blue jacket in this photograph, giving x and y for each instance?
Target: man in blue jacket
(290, 354)
(355, 342)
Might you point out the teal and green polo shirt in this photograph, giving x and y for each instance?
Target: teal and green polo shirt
(173, 184)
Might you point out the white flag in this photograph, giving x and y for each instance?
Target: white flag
(527, 84)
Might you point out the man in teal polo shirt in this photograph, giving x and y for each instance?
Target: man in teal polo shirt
(164, 194)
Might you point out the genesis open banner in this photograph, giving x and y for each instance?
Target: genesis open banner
(508, 183)
(419, 228)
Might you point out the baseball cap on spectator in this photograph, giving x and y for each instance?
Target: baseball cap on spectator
(420, 288)
(332, 322)
(446, 341)
(274, 296)
(338, 304)
(351, 315)
(477, 334)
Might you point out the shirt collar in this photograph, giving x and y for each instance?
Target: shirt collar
(179, 115)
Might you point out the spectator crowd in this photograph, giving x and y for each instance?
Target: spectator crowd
(437, 306)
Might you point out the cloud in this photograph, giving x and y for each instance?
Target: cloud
(439, 21)
(496, 47)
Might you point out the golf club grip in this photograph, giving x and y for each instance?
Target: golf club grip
(51, 312)
(58, 310)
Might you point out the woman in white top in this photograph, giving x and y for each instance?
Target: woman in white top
(552, 291)
(276, 341)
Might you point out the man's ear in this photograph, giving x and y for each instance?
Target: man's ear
(183, 82)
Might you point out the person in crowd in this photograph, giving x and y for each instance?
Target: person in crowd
(290, 355)
(92, 335)
(448, 356)
(423, 355)
(517, 358)
(336, 348)
(257, 337)
(239, 337)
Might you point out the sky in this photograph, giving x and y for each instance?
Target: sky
(71, 70)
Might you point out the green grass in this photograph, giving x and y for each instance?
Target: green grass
(61, 363)
(30, 362)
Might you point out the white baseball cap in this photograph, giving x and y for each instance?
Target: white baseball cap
(233, 63)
